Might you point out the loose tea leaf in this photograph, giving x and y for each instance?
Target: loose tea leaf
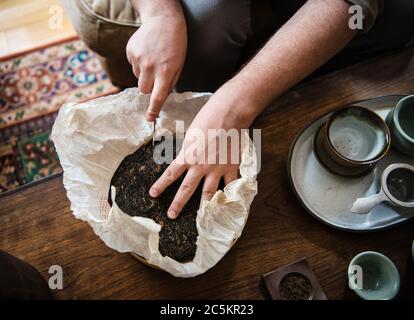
(295, 286)
(133, 179)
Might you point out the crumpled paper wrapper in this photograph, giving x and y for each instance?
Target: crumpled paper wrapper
(92, 139)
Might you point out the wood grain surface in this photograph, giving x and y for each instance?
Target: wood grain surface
(24, 25)
(36, 223)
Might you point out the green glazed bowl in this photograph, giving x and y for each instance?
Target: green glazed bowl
(400, 120)
(380, 277)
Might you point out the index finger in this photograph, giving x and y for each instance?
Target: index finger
(158, 96)
(172, 173)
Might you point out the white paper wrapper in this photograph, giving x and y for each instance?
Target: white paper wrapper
(92, 139)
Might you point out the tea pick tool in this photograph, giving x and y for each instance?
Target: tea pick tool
(153, 131)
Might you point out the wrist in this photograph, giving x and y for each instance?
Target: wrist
(237, 104)
(230, 109)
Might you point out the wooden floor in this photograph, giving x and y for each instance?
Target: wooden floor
(24, 24)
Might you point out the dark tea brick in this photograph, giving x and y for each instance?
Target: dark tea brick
(133, 179)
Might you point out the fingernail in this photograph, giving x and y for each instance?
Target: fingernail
(153, 192)
(172, 214)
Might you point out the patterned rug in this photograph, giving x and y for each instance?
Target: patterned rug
(33, 86)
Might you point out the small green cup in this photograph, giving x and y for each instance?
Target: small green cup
(378, 276)
(400, 120)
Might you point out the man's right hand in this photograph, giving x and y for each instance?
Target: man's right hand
(157, 50)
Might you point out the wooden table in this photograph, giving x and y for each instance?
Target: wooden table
(36, 223)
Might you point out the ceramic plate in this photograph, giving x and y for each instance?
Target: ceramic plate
(329, 197)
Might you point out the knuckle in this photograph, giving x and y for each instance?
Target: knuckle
(169, 175)
(128, 49)
(179, 160)
(131, 54)
(203, 167)
(147, 65)
(207, 193)
(199, 169)
(157, 99)
(186, 188)
(166, 68)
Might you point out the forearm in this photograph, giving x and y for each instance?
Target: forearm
(148, 9)
(310, 38)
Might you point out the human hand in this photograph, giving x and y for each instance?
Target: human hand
(156, 52)
(196, 155)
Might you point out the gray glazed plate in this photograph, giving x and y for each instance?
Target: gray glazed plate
(329, 197)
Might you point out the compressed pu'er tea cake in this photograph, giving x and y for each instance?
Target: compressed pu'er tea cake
(94, 137)
(133, 179)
